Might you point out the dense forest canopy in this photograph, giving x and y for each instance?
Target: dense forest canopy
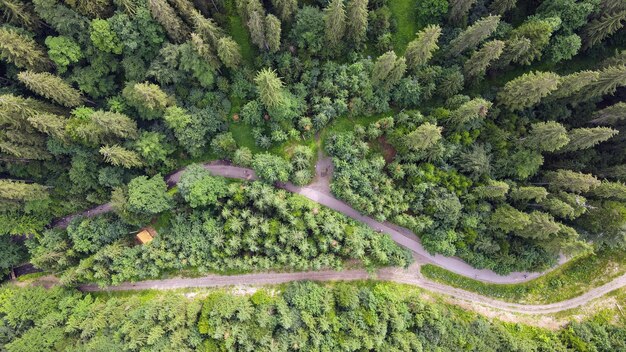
(302, 316)
(492, 129)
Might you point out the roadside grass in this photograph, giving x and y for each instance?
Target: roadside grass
(405, 13)
(572, 279)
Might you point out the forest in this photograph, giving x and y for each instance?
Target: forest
(302, 316)
(491, 129)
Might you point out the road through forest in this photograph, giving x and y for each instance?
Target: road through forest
(319, 191)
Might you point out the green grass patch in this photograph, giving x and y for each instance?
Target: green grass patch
(405, 14)
(31, 276)
(239, 32)
(570, 280)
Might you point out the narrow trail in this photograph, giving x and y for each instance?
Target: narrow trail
(319, 191)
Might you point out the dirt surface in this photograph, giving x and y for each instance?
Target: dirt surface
(319, 191)
(409, 276)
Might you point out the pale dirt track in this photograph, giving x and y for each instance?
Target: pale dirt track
(409, 276)
(319, 191)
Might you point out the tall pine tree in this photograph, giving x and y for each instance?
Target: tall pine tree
(52, 87)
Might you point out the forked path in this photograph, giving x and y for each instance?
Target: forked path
(319, 191)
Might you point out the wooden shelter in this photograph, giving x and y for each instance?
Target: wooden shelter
(146, 235)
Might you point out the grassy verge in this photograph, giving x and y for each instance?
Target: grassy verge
(568, 281)
(238, 31)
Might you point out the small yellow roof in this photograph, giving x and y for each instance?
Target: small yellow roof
(144, 236)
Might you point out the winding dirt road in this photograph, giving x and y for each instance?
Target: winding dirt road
(319, 191)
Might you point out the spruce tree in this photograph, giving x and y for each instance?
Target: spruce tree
(509, 219)
(609, 79)
(256, 24)
(476, 66)
(500, 7)
(493, 189)
(91, 8)
(204, 50)
(229, 52)
(610, 190)
(119, 156)
(459, 10)
(186, 10)
(51, 87)
(388, 70)
(50, 124)
(114, 124)
(335, 18)
(573, 83)
(608, 6)
(285, 8)
(515, 50)
(18, 13)
(473, 35)
(529, 193)
(470, 112)
(567, 180)
(22, 191)
(421, 49)
(357, 21)
(270, 88)
(527, 89)
(598, 29)
(163, 13)
(423, 137)
(583, 138)
(547, 136)
(538, 31)
(542, 226)
(610, 115)
(22, 51)
(147, 98)
(207, 29)
(272, 33)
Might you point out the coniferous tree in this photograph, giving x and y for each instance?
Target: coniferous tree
(149, 100)
(529, 193)
(22, 51)
(609, 6)
(114, 124)
(572, 181)
(500, 7)
(163, 13)
(473, 35)
(229, 52)
(459, 10)
(270, 88)
(285, 8)
(495, 190)
(204, 50)
(388, 70)
(186, 10)
(509, 219)
(335, 18)
(272, 33)
(423, 137)
(470, 112)
(541, 226)
(476, 66)
(357, 21)
(610, 190)
(538, 31)
(22, 191)
(603, 27)
(583, 138)
(91, 8)
(515, 50)
(119, 156)
(256, 24)
(421, 49)
(528, 89)
(18, 13)
(610, 115)
(50, 124)
(573, 83)
(52, 87)
(207, 29)
(609, 79)
(547, 136)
